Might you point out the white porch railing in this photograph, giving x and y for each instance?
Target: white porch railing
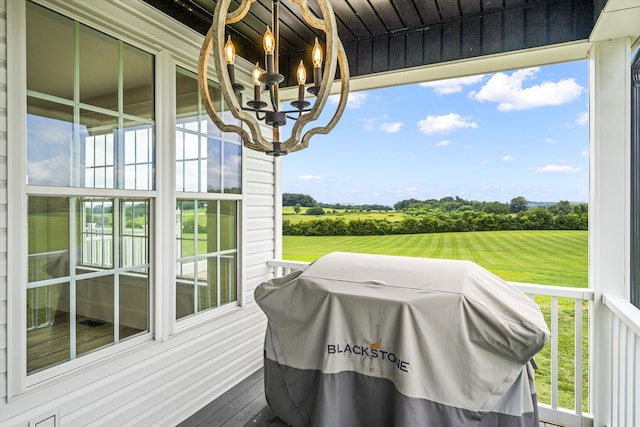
(572, 416)
(625, 362)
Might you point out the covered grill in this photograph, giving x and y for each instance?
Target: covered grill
(377, 340)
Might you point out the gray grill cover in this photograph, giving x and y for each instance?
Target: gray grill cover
(371, 340)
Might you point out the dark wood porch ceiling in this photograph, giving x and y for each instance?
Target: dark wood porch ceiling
(387, 35)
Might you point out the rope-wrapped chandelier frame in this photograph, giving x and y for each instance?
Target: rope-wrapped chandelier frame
(254, 139)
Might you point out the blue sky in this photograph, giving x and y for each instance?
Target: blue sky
(489, 137)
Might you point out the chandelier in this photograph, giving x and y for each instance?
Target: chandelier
(271, 111)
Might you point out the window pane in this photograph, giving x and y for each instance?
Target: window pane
(134, 303)
(48, 237)
(137, 83)
(97, 243)
(186, 98)
(228, 225)
(185, 227)
(138, 156)
(214, 165)
(98, 140)
(228, 278)
(207, 289)
(50, 151)
(212, 227)
(191, 175)
(232, 168)
(98, 69)
(134, 234)
(94, 318)
(47, 316)
(49, 52)
(185, 289)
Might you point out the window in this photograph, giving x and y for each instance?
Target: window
(90, 125)
(208, 184)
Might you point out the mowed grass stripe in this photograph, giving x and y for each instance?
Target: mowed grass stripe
(545, 257)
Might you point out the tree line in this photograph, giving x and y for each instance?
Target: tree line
(304, 200)
(451, 214)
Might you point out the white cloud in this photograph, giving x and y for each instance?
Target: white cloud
(585, 153)
(551, 140)
(231, 170)
(508, 158)
(556, 168)
(444, 143)
(509, 93)
(310, 178)
(49, 171)
(582, 119)
(445, 124)
(354, 100)
(446, 87)
(391, 127)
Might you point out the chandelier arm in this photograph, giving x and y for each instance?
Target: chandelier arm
(309, 16)
(203, 87)
(332, 43)
(239, 13)
(257, 142)
(344, 95)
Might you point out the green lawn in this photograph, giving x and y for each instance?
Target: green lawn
(542, 257)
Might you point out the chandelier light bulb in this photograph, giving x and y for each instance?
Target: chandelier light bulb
(301, 73)
(317, 54)
(255, 74)
(269, 42)
(229, 52)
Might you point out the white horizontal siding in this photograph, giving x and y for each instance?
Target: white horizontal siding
(163, 380)
(259, 219)
(3, 200)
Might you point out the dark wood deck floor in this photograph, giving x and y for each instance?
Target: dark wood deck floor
(243, 405)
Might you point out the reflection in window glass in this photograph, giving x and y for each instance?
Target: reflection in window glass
(49, 52)
(232, 176)
(137, 82)
(87, 259)
(138, 157)
(207, 160)
(99, 133)
(97, 247)
(98, 69)
(103, 117)
(207, 250)
(50, 148)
